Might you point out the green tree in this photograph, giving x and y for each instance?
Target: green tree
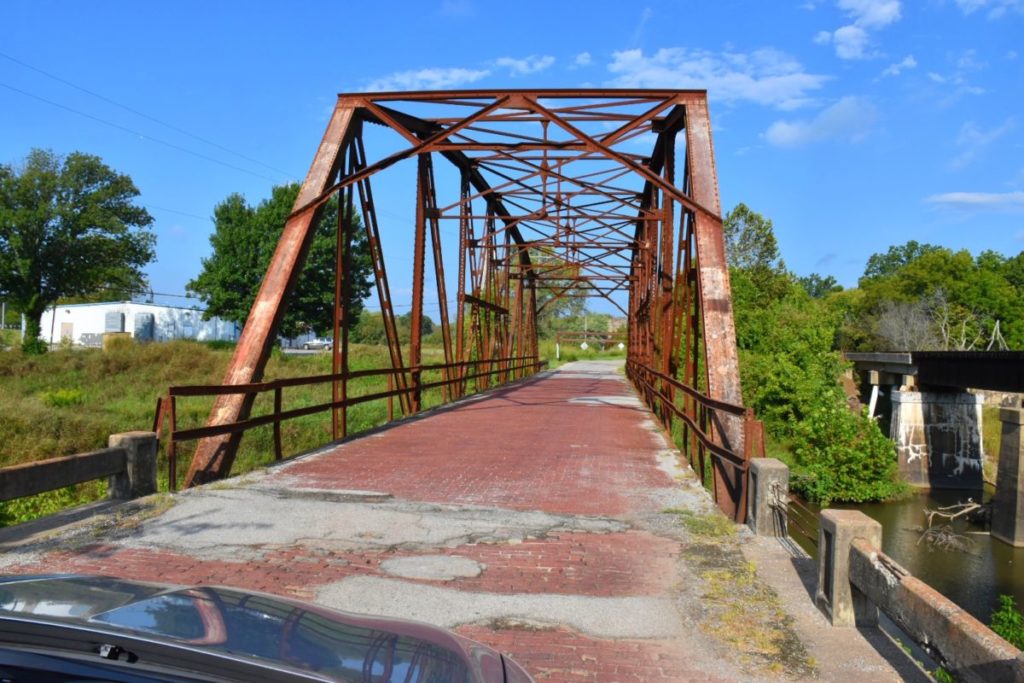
(559, 295)
(404, 324)
(750, 241)
(820, 286)
(68, 227)
(925, 292)
(244, 240)
(881, 265)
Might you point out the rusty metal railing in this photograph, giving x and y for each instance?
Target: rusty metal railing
(802, 523)
(166, 406)
(701, 417)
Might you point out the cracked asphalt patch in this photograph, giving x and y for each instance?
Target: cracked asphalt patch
(238, 523)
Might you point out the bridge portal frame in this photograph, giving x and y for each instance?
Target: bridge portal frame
(547, 234)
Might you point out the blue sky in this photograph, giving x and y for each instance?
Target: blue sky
(853, 124)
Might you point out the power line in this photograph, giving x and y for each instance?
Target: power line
(145, 116)
(182, 213)
(135, 132)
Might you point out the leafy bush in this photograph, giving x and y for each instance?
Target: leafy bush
(1008, 621)
(843, 456)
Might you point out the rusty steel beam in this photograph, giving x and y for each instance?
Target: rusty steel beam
(719, 333)
(214, 456)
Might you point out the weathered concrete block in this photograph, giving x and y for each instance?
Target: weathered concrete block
(938, 438)
(966, 647)
(841, 602)
(1008, 506)
(139, 475)
(769, 491)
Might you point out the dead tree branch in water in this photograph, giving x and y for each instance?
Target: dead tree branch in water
(946, 537)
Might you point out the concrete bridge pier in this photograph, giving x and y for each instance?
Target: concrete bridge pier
(1008, 506)
(938, 438)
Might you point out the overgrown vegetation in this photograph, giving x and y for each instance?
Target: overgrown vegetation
(991, 435)
(790, 372)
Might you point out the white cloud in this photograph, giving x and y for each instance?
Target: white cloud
(526, 65)
(994, 200)
(872, 13)
(583, 59)
(427, 79)
(896, 69)
(851, 40)
(972, 141)
(848, 119)
(996, 8)
(766, 76)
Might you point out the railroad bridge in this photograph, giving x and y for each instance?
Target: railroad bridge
(568, 515)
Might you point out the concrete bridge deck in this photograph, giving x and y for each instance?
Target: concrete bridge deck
(549, 519)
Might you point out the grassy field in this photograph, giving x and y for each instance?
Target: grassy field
(69, 400)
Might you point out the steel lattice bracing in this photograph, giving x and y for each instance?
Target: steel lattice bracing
(537, 196)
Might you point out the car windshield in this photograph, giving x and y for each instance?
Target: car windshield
(257, 626)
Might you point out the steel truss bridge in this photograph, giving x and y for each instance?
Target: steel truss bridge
(536, 195)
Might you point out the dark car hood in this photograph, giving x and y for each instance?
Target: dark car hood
(337, 645)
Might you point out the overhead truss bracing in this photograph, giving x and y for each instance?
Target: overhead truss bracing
(537, 196)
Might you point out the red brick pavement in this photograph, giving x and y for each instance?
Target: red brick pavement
(524, 448)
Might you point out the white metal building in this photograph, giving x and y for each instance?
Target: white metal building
(84, 324)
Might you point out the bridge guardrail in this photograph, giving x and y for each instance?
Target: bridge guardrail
(454, 384)
(698, 414)
(129, 462)
(856, 580)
